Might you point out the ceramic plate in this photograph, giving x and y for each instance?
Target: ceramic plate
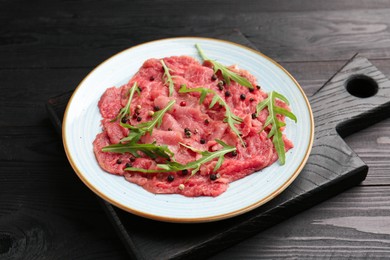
(82, 123)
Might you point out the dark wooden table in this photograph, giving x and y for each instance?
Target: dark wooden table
(47, 47)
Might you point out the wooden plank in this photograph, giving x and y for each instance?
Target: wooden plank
(31, 144)
(42, 233)
(353, 225)
(62, 36)
(186, 6)
(373, 146)
(25, 92)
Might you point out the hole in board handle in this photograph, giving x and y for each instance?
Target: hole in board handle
(361, 86)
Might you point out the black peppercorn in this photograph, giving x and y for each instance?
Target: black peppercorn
(119, 161)
(170, 178)
(156, 108)
(202, 141)
(132, 159)
(124, 120)
(184, 172)
(128, 165)
(258, 87)
(242, 97)
(214, 77)
(251, 90)
(220, 85)
(227, 94)
(139, 119)
(234, 153)
(251, 99)
(254, 115)
(213, 177)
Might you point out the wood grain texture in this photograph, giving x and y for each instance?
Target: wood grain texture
(354, 225)
(47, 47)
(63, 34)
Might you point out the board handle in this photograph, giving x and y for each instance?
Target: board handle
(356, 97)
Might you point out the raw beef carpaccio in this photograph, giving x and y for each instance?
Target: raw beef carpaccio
(190, 123)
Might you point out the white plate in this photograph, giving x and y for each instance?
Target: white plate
(82, 123)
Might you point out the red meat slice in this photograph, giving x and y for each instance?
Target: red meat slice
(204, 124)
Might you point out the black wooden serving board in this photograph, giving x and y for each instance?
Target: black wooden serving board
(331, 168)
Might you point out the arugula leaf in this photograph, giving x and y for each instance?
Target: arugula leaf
(151, 150)
(227, 74)
(168, 78)
(275, 131)
(230, 118)
(125, 111)
(194, 165)
(136, 132)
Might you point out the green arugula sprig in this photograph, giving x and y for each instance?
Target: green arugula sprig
(152, 150)
(168, 78)
(230, 118)
(136, 132)
(275, 131)
(227, 74)
(194, 165)
(125, 111)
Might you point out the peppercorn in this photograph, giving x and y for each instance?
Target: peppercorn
(213, 177)
(170, 178)
(234, 153)
(184, 172)
(119, 161)
(220, 85)
(132, 159)
(242, 97)
(151, 78)
(139, 119)
(202, 141)
(227, 94)
(188, 134)
(214, 77)
(254, 115)
(124, 120)
(206, 121)
(251, 90)
(258, 87)
(156, 108)
(128, 165)
(251, 99)
(169, 129)
(140, 89)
